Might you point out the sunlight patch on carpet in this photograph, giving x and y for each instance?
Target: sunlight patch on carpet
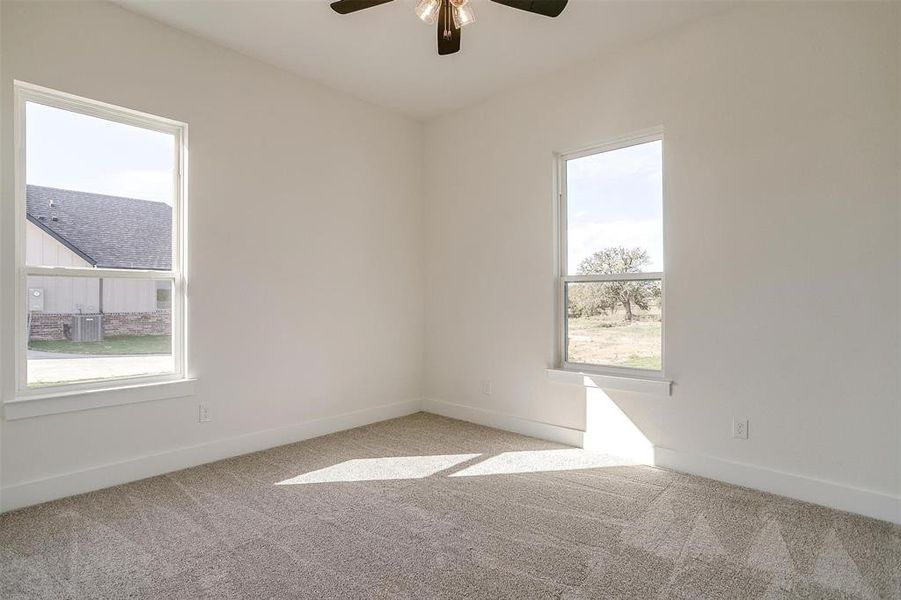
(379, 469)
(535, 461)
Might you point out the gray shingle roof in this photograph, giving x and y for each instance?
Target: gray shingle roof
(107, 231)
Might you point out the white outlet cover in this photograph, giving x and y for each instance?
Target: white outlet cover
(739, 428)
(486, 388)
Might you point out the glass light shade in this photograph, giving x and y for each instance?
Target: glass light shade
(463, 15)
(458, 2)
(428, 10)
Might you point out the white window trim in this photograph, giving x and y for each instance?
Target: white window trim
(74, 395)
(642, 385)
(640, 137)
(73, 401)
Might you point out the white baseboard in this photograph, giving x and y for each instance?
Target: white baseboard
(827, 493)
(95, 478)
(490, 418)
(817, 491)
(869, 503)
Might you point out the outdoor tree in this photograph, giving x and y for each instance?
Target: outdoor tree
(594, 299)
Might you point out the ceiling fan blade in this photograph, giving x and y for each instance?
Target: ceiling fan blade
(548, 8)
(342, 7)
(450, 44)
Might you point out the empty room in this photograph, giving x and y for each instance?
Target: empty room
(450, 299)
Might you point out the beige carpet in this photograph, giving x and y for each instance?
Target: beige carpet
(427, 507)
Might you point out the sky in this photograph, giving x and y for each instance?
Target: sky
(615, 198)
(77, 152)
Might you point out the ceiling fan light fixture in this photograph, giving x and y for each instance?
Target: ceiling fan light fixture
(463, 14)
(427, 11)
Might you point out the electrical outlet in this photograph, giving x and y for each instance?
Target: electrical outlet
(739, 428)
(204, 414)
(486, 387)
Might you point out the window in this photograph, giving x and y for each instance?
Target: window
(611, 257)
(100, 248)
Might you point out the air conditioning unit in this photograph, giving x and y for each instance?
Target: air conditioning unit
(87, 328)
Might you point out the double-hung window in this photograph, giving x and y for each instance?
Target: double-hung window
(99, 244)
(611, 257)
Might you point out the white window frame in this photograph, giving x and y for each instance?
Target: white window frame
(26, 92)
(634, 139)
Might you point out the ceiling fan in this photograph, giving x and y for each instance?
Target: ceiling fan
(453, 15)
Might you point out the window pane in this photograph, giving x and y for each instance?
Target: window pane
(614, 323)
(86, 328)
(99, 193)
(614, 205)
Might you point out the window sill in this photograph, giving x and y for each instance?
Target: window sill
(26, 407)
(641, 385)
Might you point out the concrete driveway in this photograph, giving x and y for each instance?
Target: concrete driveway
(53, 367)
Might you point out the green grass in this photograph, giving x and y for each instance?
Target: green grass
(119, 344)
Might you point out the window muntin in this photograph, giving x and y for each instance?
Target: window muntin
(100, 202)
(611, 256)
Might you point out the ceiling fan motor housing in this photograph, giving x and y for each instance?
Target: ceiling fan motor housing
(451, 11)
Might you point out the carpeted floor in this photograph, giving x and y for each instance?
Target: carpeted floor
(428, 507)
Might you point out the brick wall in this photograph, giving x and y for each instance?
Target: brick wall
(149, 323)
(48, 326)
(52, 326)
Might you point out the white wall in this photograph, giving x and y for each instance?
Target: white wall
(782, 217)
(300, 199)
(782, 238)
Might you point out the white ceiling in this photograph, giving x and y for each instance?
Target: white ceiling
(388, 56)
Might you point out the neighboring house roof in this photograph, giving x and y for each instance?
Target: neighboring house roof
(107, 231)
